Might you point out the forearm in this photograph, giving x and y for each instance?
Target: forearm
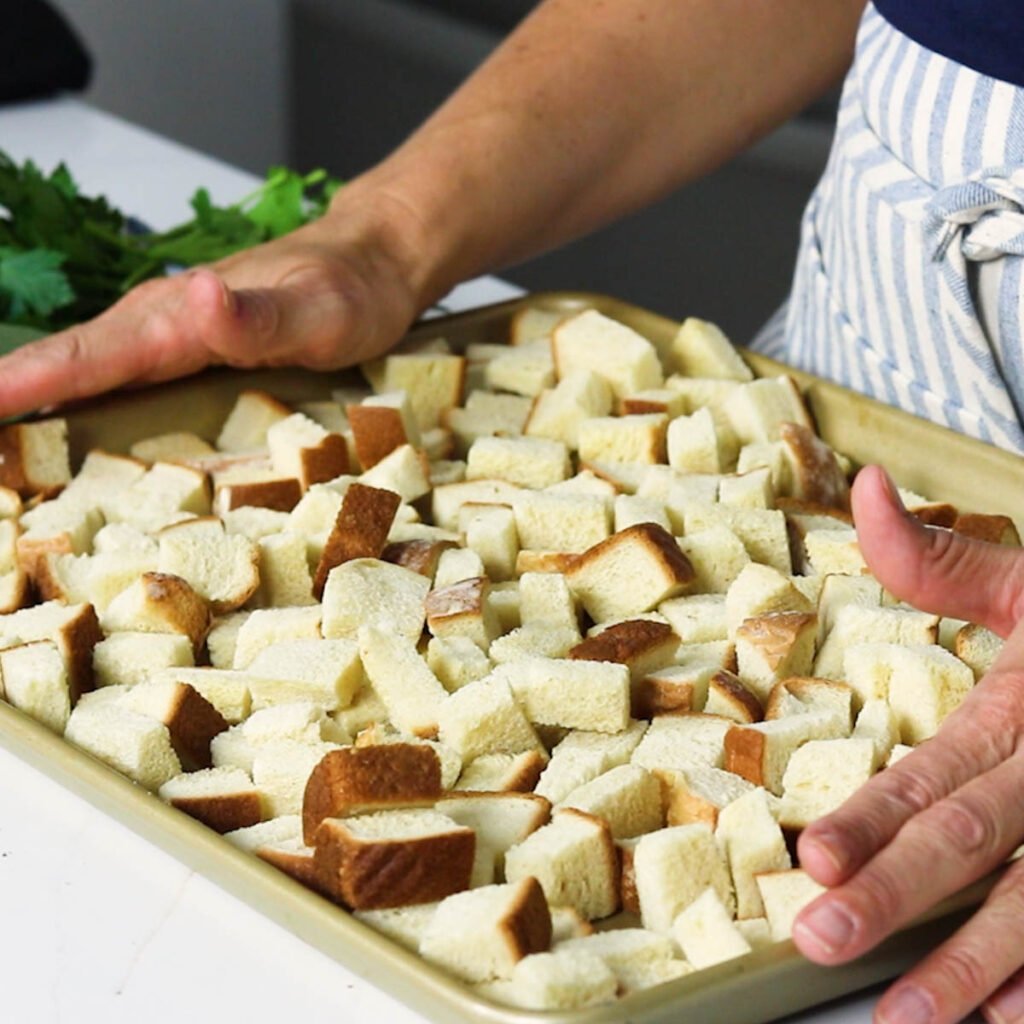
(590, 110)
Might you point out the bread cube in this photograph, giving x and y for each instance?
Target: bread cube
(285, 579)
(574, 860)
(758, 409)
(680, 741)
(404, 925)
(814, 472)
(226, 690)
(561, 980)
(253, 413)
(55, 527)
(456, 661)
(266, 626)
(432, 380)
(858, 624)
(486, 414)
(380, 424)
(223, 799)
(639, 438)
(773, 647)
(531, 462)
(584, 755)
(34, 457)
(717, 556)
(978, 648)
(706, 933)
(281, 771)
(627, 797)
(575, 694)
(128, 658)
(328, 673)
(369, 592)
(393, 858)
(785, 894)
(989, 528)
(700, 349)
(301, 448)
(561, 522)
(630, 572)
(34, 679)
(490, 531)
(558, 412)
(546, 598)
(500, 820)
(484, 933)
(482, 718)
(527, 369)
(502, 773)
(729, 698)
(642, 646)
(697, 794)
(821, 775)
(761, 590)
(406, 471)
(673, 866)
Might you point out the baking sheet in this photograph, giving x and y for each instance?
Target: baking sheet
(755, 988)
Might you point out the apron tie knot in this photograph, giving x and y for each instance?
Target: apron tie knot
(986, 211)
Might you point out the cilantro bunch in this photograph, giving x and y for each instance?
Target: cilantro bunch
(65, 257)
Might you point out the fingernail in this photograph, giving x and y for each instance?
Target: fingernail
(831, 927)
(890, 487)
(908, 1005)
(829, 845)
(1008, 1006)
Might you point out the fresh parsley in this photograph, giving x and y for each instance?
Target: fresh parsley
(65, 257)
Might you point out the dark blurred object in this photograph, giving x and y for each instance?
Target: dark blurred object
(40, 54)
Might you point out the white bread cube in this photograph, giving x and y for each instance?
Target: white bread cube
(102, 473)
(664, 400)
(978, 648)
(625, 477)
(328, 673)
(273, 830)
(136, 745)
(369, 592)
(402, 679)
(673, 866)
(457, 564)
(639, 438)
(785, 894)
(533, 323)
(562, 980)
(14, 591)
(531, 462)
(561, 522)
(128, 658)
(447, 500)
(566, 924)
(698, 793)
(406, 471)
(223, 799)
(678, 742)
(701, 349)
(301, 448)
(718, 557)
(284, 575)
(500, 820)
(877, 722)
(799, 694)
(62, 526)
(174, 446)
(501, 773)
(574, 694)
(763, 531)
(226, 690)
(525, 370)
(11, 505)
(482, 718)
(858, 624)
(222, 569)
(696, 618)
(253, 413)
(594, 342)
(575, 862)
(462, 609)
(433, 380)
(815, 474)
(281, 770)
(752, 841)
(760, 752)
(546, 598)
(583, 756)
(630, 509)
(486, 414)
(729, 698)
(706, 933)
(760, 590)
(159, 603)
(483, 933)
(456, 661)
(315, 515)
(536, 640)
(558, 412)
(834, 551)
(692, 444)
(404, 925)
(753, 489)
(34, 679)
(758, 409)
(821, 775)
(839, 589)
(636, 955)
(673, 689)
(773, 647)
(630, 572)
(266, 626)
(627, 797)
(331, 414)
(490, 531)
(34, 457)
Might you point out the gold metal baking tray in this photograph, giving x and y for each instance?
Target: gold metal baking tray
(759, 987)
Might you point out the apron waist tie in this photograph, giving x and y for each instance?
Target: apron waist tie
(986, 211)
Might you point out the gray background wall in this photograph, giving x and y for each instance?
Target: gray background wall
(338, 83)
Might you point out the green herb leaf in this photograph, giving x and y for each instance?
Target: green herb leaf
(33, 282)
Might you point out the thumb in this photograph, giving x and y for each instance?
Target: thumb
(933, 568)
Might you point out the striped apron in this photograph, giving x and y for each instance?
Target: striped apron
(909, 284)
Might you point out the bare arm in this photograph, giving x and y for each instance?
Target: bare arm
(590, 109)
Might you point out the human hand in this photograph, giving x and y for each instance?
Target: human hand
(332, 293)
(946, 814)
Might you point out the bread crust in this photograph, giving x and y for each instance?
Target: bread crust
(818, 476)
(223, 812)
(281, 495)
(744, 754)
(377, 430)
(324, 461)
(625, 642)
(360, 530)
(178, 604)
(365, 874)
(993, 529)
(355, 780)
(420, 556)
(731, 689)
(193, 722)
(300, 866)
(526, 928)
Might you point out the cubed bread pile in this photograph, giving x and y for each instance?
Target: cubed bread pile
(534, 657)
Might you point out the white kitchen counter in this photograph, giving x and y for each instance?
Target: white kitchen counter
(97, 924)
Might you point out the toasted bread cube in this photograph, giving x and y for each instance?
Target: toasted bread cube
(760, 752)
(402, 679)
(301, 448)
(653, 400)
(127, 658)
(575, 694)
(419, 555)
(368, 592)
(34, 457)
(433, 381)
(361, 780)
(561, 522)
(706, 934)
(273, 492)
(490, 531)
(484, 933)
(642, 646)
(525, 370)
(857, 624)
(991, 529)
(978, 648)
(773, 647)
(380, 424)
(729, 698)
(159, 603)
(717, 556)
(463, 609)
(627, 797)
(574, 860)
(223, 569)
(785, 894)
(136, 745)
(360, 531)
(393, 858)
(531, 462)
(224, 799)
(673, 689)
(34, 678)
(821, 775)
(814, 472)
(328, 673)
(673, 866)
(594, 342)
(558, 412)
(639, 438)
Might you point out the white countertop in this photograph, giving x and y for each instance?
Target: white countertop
(97, 924)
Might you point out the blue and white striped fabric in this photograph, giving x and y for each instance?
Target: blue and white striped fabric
(909, 284)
